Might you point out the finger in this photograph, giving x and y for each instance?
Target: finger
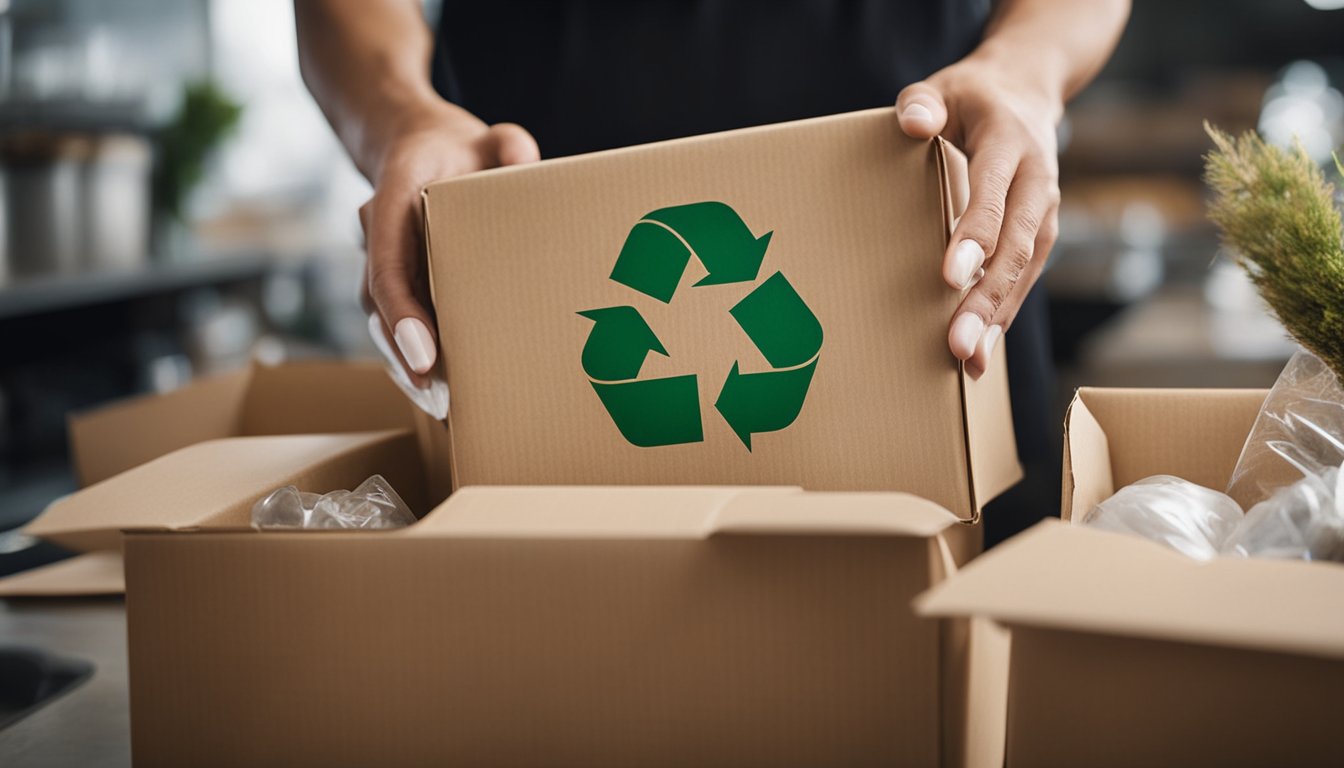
(513, 145)
(395, 259)
(1045, 240)
(991, 304)
(923, 114)
(977, 233)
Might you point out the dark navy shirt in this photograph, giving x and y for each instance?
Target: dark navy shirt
(585, 75)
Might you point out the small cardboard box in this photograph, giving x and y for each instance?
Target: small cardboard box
(595, 626)
(1127, 653)
(290, 399)
(762, 306)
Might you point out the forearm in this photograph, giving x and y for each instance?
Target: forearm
(366, 62)
(1056, 46)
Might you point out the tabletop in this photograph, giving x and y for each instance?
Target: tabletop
(89, 725)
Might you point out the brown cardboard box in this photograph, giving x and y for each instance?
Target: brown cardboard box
(1126, 653)
(792, 269)
(290, 399)
(563, 626)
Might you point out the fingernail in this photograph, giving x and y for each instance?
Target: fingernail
(966, 331)
(991, 338)
(918, 113)
(415, 343)
(966, 260)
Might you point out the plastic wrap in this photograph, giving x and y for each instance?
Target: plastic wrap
(1288, 475)
(1187, 517)
(374, 504)
(1299, 432)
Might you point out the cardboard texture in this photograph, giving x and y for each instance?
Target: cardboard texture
(1127, 653)
(849, 212)
(564, 626)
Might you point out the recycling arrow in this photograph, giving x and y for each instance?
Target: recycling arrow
(653, 259)
(618, 344)
(763, 402)
(660, 245)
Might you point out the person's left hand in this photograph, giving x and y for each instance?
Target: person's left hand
(1007, 130)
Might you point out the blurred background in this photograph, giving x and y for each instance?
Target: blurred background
(173, 204)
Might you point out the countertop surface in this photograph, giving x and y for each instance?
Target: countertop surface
(90, 724)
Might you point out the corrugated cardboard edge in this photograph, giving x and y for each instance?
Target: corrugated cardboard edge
(93, 573)
(435, 436)
(1081, 428)
(989, 471)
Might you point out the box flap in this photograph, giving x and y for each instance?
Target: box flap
(92, 573)
(855, 216)
(1063, 576)
(217, 481)
(676, 512)
(1087, 461)
(116, 437)
(312, 396)
(323, 396)
(1130, 434)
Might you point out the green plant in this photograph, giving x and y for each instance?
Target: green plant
(1277, 214)
(204, 118)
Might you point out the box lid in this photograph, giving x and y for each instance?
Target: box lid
(1062, 576)
(676, 512)
(791, 265)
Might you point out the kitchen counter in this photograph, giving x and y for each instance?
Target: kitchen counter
(88, 725)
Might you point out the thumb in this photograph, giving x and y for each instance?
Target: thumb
(922, 112)
(513, 144)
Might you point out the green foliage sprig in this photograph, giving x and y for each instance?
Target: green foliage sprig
(1277, 214)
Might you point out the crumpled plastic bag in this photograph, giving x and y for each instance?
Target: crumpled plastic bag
(1189, 518)
(1288, 474)
(1299, 432)
(373, 505)
(1304, 521)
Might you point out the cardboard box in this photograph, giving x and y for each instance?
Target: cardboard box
(762, 306)
(563, 626)
(290, 399)
(1127, 653)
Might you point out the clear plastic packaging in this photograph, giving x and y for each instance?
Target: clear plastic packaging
(1187, 517)
(373, 505)
(1299, 432)
(1288, 478)
(1302, 521)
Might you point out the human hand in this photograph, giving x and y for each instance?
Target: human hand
(1000, 245)
(436, 143)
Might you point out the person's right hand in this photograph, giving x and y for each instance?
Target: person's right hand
(441, 142)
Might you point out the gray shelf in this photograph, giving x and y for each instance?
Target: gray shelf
(30, 296)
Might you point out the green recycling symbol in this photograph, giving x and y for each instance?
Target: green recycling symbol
(666, 411)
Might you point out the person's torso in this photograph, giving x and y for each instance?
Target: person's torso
(585, 75)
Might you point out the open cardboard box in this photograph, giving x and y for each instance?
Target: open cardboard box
(319, 397)
(1127, 653)
(605, 625)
